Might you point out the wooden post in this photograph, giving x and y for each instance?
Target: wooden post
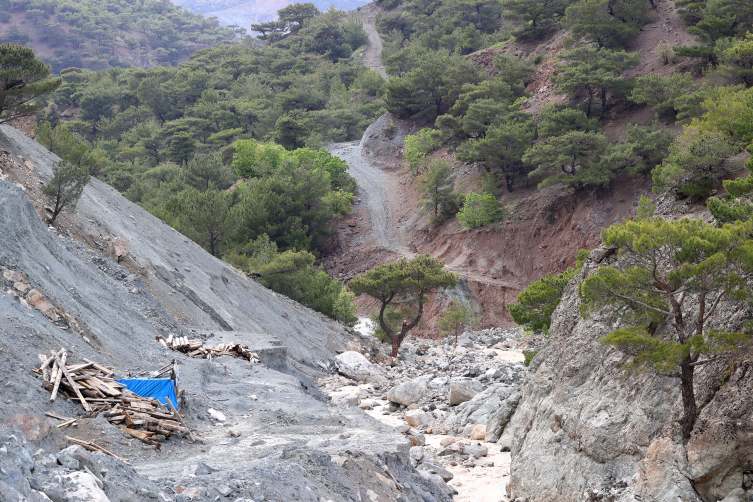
(73, 384)
(180, 419)
(59, 364)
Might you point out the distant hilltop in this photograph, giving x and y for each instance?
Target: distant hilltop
(255, 11)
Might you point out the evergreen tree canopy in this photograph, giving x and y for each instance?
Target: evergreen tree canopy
(404, 282)
(595, 71)
(436, 187)
(23, 78)
(573, 159)
(535, 305)
(671, 281)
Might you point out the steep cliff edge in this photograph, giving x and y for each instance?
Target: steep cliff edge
(585, 428)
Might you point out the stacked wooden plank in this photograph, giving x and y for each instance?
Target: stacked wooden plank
(196, 348)
(88, 382)
(93, 386)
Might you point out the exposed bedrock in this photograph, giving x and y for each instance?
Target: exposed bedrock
(584, 427)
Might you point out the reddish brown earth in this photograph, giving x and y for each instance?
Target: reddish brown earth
(542, 231)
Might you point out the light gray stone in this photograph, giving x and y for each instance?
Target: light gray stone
(355, 366)
(463, 389)
(475, 450)
(432, 468)
(418, 418)
(410, 392)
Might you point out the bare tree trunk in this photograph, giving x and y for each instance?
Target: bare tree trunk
(688, 398)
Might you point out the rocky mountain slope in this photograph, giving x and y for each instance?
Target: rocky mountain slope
(104, 284)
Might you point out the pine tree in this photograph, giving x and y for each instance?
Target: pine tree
(436, 187)
(670, 282)
(66, 187)
(573, 158)
(535, 304)
(208, 218)
(206, 170)
(594, 70)
(22, 79)
(403, 283)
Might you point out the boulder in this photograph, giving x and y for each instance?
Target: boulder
(438, 383)
(463, 389)
(37, 299)
(475, 450)
(348, 401)
(410, 392)
(82, 487)
(479, 433)
(416, 454)
(14, 275)
(356, 367)
(418, 418)
(500, 417)
(430, 468)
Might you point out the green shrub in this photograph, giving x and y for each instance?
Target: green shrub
(479, 210)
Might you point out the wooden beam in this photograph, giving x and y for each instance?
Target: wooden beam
(73, 385)
(180, 419)
(58, 376)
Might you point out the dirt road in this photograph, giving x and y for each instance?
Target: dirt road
(373, 190)
(372, 57)
(376, 189)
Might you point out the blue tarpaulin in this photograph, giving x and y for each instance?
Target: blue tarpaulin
(157, 388)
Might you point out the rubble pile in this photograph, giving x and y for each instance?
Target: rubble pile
(432, 375)
(37, 466)
(451, 401)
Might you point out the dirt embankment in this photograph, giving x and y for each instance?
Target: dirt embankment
(542, 230)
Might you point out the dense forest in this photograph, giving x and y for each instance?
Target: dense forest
(174, 139)
(480, 116)
(98, 34)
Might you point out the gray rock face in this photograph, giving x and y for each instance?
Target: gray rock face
(480, 409)
(583, 424)
(355, 366)
(182, 289)
(203, 292)
(409, 392)
(463, 389)
(500, 417)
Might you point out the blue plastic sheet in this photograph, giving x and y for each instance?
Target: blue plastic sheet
(158, 388)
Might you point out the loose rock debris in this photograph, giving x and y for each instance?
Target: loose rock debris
(144, 418)
(196, 348)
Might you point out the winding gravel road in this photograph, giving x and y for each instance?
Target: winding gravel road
(373, 190)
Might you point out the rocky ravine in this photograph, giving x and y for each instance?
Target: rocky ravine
(452, 402)
(585, 430)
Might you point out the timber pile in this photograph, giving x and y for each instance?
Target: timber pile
(196, 348)
(92, 385)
